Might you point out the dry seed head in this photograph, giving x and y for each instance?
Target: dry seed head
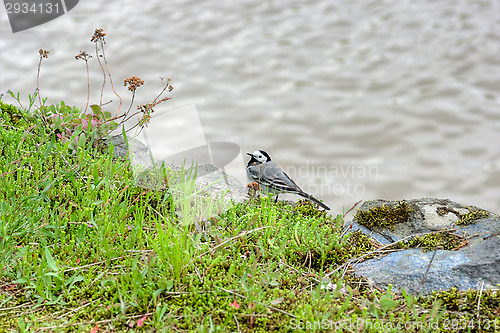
(134, 82)
(83, 55)
(146, 108)
(145, 120)
(43, 53)
(98, 35)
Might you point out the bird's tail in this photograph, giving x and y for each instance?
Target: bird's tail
(313, 199)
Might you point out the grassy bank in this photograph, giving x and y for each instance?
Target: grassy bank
(83, 248)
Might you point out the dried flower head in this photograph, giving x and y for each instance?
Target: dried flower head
(162, 100)
(144, 121)
(43, 53)
(134, 82)
(167, 85)
(146, 108)
(83, 55)
(253, 190)
(98, 35)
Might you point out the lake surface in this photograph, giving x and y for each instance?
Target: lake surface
(355, 100)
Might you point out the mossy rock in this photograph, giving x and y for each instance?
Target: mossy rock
(443, 240)
(385, 216)
(473, 215)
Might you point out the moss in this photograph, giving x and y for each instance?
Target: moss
(479, 311)
(10, 113)
(307, 208)
(361, 242)
(443, 240)
(384, 216)
(356, 245)
(473, 215)
(443, 210)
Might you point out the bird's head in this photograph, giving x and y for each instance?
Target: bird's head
(259, 156)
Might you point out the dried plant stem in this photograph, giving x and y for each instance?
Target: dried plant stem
(88, 85)
(103, 72)
(343, 216)
(43, 54)
(237, 323)
(104, 321)
(110, 78)
(152, 104)
(113, 119)
(426, 272)
(479, 300)
(131, 128)
(131, 102)
(133, 114)
(354, 206)
(165, 87)
(38, 81)
(71, 311)
(90, 265)
(17, 306)
(138, 123)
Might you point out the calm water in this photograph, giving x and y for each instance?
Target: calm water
(355, 100)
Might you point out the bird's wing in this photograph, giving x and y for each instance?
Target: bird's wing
(277, 179)
(291, 180)
(254, 173)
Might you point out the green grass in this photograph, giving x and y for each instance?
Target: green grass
(82, 246)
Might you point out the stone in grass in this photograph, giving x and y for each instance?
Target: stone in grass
(390, 221)
(474, 265)
(217, 183)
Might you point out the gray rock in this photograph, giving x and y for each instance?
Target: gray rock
(218, 182)
(477, 265)
(211, 179)
(428, 215)
(138, 152)
(471, 268)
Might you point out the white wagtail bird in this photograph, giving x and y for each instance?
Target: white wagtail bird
(272, 179)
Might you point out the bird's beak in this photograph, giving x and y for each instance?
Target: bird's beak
(250, 154)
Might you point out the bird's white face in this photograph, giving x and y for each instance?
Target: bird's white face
(261, 158)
